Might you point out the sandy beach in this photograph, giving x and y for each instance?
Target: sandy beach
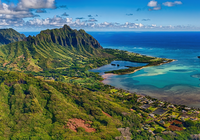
(107, 75)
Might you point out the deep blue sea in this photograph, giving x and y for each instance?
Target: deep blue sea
(177, 82)
(30, 33)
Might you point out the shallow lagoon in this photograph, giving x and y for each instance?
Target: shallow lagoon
(122, 65)
(177, 82)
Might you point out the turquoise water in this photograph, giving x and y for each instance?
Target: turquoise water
(177, 82)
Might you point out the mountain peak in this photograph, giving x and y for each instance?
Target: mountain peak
(66, 27)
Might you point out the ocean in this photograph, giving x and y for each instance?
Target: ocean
(177, 82)
(30, 33)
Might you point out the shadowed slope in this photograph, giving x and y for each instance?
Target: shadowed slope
(10, 35)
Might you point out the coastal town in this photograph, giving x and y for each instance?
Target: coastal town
(164, 117)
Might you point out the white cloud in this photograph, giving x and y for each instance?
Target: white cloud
(157, 8)
(170, 4)
(24, 8)
(178, 2)
(152, 3)
(11, 10)
(36, 4)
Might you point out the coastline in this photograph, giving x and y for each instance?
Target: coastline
(161, 98)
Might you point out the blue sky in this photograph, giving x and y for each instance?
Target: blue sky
(104, 15)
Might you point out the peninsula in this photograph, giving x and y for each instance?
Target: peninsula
(135, 57)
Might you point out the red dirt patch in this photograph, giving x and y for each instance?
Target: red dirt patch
(22, 56)
(5, 64)
(175, 128)
(176, 122)
(106, 114)
(73, 124)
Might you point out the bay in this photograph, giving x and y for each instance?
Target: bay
(177, 82)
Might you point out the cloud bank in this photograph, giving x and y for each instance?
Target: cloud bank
(57, 22)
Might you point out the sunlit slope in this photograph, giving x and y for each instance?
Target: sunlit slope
(50, 49)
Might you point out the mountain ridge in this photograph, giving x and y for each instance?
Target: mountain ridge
(9, 36)
(50, 49)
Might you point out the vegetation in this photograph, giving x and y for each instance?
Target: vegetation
(32, 108)
(9, 35)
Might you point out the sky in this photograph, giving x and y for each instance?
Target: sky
(101, 15)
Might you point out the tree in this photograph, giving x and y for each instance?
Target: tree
(189, 123)
(158, 130)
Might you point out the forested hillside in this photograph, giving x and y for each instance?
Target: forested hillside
(35, 109)
(10, 35)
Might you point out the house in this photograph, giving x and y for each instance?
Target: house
(171, 106)
(187, 108)
(147, 125)
(183, 111)
(162, 122)
(150, 102)
(173, 116)
(145, 106)
(151, 115)
(193, 119)
(140, 98)
(150, 131)
(183, 119)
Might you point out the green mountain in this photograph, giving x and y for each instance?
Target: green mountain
(31, 108)
(10, 35)
(57, 48)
